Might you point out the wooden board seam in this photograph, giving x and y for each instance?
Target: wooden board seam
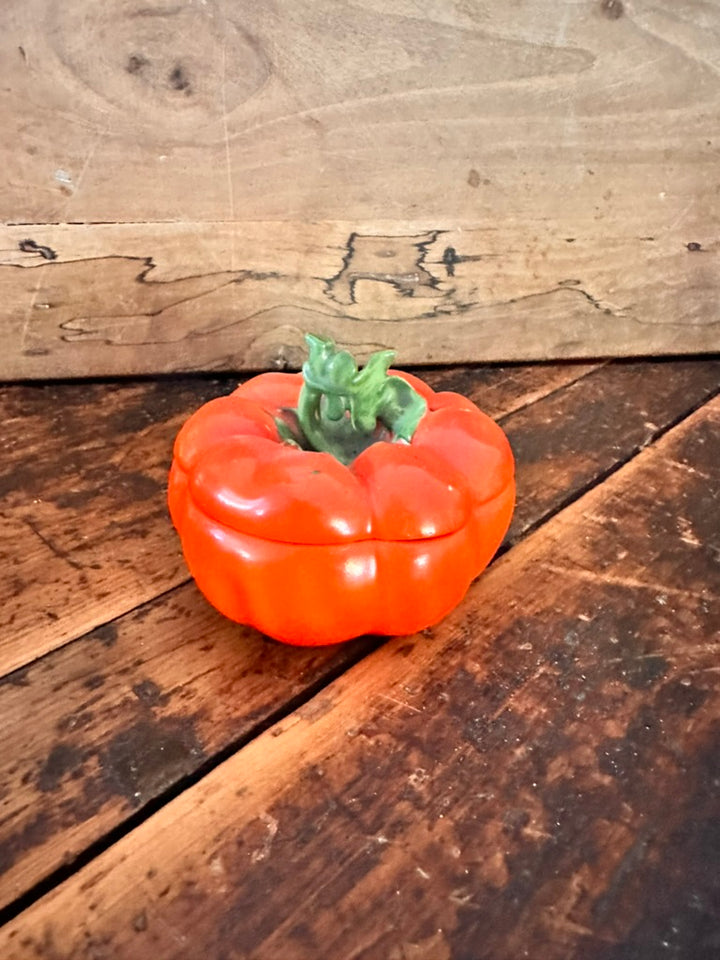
(310, 716)
(303, 700)
(508, 412)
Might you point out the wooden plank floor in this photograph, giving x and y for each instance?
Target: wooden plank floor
(537, 776)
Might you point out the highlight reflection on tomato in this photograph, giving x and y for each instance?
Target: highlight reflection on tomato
(337, 502)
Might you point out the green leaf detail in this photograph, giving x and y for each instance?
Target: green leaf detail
(343, 410)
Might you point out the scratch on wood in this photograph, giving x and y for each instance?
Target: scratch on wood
(61, 554)
(83, 170)
(686, 532)
(29, 314)
(228, 159)
(688, 468)
(271, 826)
(400, 703)
(601, 577)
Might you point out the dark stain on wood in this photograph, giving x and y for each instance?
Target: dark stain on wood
(508, 763)
(107, 634)
(75, 721)
(680, 697)
(508, 786)
(34, 832)
(180, 80)
(136, 62)
(142, 760)
(30, 246)
(124, 487)
(675, 881)
(66, 466)
(63, 759)
(162, 401)
(133, 486)
(449, 259)
(159, 11)
(644, 671)
(626, 415)
(18, 678)
(149, 693)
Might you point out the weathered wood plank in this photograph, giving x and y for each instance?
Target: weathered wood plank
(125, 713)
(533, 777)
(146, 298)
(511, 182)
(593, 426)
(141, 111)
(85, 531)
(121, 716)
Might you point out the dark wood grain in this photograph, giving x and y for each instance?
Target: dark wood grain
(216, 113)
(146, 699)
(123, 715)
(85, 534)
(534, 777)
(143, 298)
(85, 531)
(588, 429)
(470, 183)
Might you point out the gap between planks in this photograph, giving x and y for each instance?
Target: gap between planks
(293, 704)
(20, 658)
(526, 552)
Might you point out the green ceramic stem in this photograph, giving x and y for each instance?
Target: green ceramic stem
(343, 410)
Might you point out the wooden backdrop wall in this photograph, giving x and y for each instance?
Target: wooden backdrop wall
(191, 184)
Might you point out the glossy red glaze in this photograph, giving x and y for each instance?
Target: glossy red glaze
(313, 552)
